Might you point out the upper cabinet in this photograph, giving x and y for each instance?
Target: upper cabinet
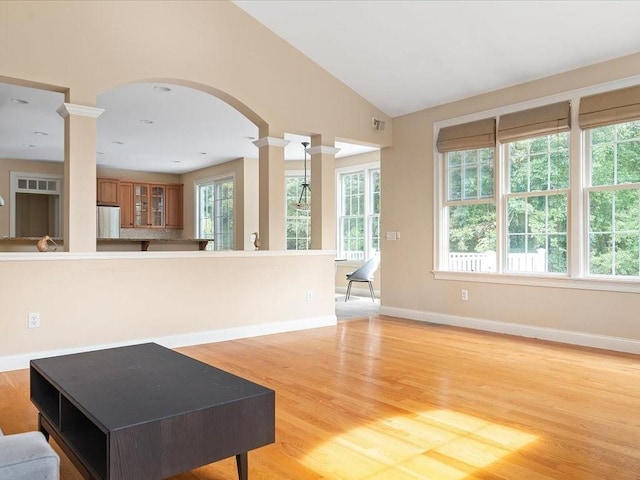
(173, 216)
(148, 205)
(125, 192)
(144, 205)
(107, 191)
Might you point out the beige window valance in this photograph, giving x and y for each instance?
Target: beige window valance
(607, 108)
(535, 122)
(467, 136)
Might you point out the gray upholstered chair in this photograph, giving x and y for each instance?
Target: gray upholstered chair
(27, 456)
(364, 274)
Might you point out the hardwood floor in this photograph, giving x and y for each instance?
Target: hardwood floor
(393, 399)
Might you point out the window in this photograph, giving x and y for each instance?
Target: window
(536, 203)
(215, 212)
(614, 199)
(543, 207)
(298, 222)
(359, 213)
(471, 209)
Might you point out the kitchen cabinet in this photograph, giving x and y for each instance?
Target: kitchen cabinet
(144, 205)
(174, 206)
(148, 205)
(125, 193)
(107, 191)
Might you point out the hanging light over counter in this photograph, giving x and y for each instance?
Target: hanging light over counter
(304, 202)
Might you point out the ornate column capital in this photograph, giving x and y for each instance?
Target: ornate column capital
(67, 109)
(323, 149)
(271, 142)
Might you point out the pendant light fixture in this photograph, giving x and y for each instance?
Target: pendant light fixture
(304, 202)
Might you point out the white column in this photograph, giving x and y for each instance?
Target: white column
(272, 193)
(79, 223)
(323, 193)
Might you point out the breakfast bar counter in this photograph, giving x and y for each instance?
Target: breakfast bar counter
(28, 244)
(180, 243)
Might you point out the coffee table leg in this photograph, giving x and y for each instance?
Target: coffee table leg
(243, 467)
(41, 428)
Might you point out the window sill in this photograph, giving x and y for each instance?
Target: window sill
(617, 285)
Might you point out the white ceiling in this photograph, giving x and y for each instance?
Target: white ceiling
(189, 130)
(402, 56)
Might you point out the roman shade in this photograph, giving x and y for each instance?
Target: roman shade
(607, 108)
(535, 122)
(467, 136)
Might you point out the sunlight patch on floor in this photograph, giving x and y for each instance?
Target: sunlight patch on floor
(434, 445)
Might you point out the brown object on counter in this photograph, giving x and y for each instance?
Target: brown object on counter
(43, 246)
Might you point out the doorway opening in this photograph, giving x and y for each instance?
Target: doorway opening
(36, 205)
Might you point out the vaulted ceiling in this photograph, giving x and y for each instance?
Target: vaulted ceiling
(402, 56)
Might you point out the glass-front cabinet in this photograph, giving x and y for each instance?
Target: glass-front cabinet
(149, 204)
(156, 213)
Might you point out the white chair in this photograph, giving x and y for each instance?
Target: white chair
(364, 274)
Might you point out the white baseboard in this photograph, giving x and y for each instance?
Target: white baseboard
(618, 344)
(20, 361)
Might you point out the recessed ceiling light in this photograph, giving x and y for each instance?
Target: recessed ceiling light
(41, 133)
(118, 142)
(19, 100)
(146, 122)
(162, 89)
(28, 145)
(203, 153)
(100, 153)
(175, 161)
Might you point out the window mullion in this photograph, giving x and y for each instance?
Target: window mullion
(500, 198)
(577, 204)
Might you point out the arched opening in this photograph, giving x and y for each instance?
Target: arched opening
(174, 158)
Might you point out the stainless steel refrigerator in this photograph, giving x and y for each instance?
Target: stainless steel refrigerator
(108, 222)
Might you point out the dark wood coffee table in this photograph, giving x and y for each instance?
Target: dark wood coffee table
(148, 412)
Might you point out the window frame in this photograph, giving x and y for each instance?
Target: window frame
(589, 188)
(213, 181)
(289, 174)
(577, 276)
(367, 169)
(461, 202)
(14, 189)
(507, 194)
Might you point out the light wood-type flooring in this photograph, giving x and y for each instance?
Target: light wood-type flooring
(383, 398)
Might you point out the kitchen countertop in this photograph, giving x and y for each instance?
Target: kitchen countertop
(144, 242)
(27, 239)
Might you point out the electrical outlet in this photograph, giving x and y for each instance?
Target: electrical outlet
(309, 295)
(34, 319)
(465, 295)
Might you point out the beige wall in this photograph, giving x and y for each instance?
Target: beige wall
(407, 192)
(212, 45)
(88, 301)
(137, 176)
(86, 48)
(218, 48)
